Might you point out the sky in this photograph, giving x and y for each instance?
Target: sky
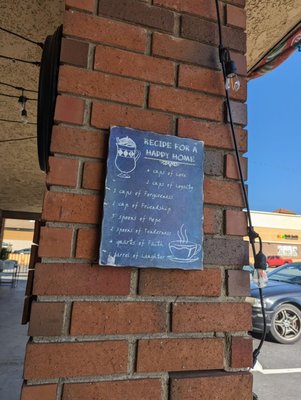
(274, 147)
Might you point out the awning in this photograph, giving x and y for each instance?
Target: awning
(278, 54)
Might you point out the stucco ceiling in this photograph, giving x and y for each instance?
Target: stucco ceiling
(268, 21)
(21, 182)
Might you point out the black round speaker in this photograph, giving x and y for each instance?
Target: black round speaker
(48, 78)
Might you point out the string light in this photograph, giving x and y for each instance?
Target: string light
(232, 81)
(260, 259)
(16, 97)
(40, 44)
(15, 122)
(22, 99)
(18, 139)
(24, 116)
(17, 87)
(22, 104)
(228, 65)
(37, 63)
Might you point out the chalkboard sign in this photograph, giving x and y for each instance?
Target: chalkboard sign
(153, 207)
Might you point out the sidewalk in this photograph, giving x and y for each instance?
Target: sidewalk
(13, 339)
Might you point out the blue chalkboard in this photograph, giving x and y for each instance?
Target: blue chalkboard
(153, 207)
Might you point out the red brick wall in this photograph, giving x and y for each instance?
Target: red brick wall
(121, 333)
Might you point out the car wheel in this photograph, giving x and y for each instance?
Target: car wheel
(286, 324)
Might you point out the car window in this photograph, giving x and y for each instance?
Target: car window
(290, 273)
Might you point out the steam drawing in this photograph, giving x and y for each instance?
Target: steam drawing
(182, 235)
(183, 250)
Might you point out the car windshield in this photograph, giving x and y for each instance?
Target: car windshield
(290, 273)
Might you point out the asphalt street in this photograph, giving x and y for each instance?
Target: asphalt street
(277, 375)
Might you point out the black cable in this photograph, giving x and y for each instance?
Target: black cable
(16, 97)
(19, 60)
(18, 87)
(252, 234)
(40, 44)
(16, 140)
(219, 23)
(17, 122)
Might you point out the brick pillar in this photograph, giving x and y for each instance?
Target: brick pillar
(121, 333)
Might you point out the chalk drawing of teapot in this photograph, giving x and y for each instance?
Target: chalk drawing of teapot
(126, 156)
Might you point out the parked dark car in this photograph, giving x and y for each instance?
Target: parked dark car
(23, 251)
(277, 261)
(282, 301)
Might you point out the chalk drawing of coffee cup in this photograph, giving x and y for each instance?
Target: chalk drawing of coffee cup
(126, 156)
(184, 250)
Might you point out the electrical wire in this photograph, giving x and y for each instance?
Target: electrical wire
(18, 87)
(17, 122)
(18, 139)
(17, 97)
(37, 63)
(40, 44)
(252, 234)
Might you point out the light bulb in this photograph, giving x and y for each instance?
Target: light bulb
(21, 101)
(24, 116)
(230, 69)
(232, 82)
